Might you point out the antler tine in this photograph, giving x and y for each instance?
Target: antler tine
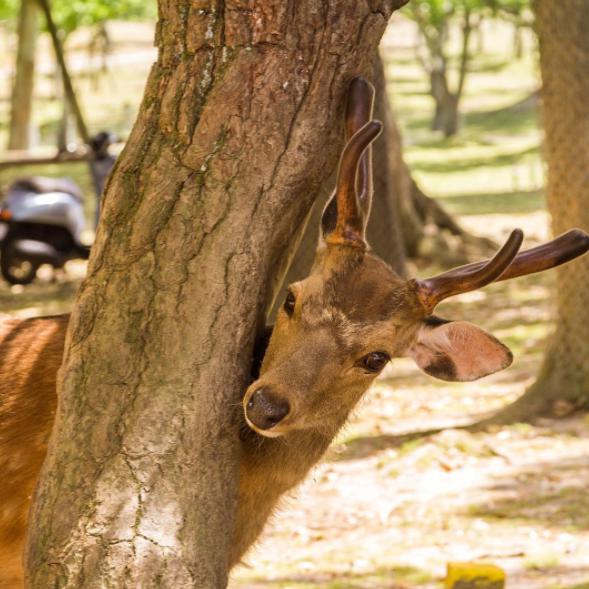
(470, 277)
(359, 106)
(360, 102)
(358, 112)
(349, 227)
(563, 249)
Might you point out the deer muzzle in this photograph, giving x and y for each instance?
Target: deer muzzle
(264, 410)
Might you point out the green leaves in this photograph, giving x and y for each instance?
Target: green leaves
(71, 14)
(436, 12)
(8, 9)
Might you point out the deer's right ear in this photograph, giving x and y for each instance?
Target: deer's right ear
(458, 351)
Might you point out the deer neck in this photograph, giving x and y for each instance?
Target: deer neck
(282, 462)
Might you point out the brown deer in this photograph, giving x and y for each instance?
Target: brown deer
(335, 332)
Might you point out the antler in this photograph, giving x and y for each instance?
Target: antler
(344, 218)
(349, 228)
(358, 112)
(506, 263)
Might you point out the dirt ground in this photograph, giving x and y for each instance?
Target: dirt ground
(387, 511)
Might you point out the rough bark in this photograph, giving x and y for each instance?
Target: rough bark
(238, 129)
(563, 32)
(22, 91)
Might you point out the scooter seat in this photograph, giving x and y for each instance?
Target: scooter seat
(42, 184)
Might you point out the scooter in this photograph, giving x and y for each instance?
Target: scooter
(42, 219)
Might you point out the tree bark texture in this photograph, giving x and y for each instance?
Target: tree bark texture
(563, 32)
(22, 91)
(240, 125)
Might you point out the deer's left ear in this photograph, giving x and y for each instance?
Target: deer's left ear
(458, 351)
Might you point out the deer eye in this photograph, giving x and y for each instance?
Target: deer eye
(289, 303)
(374, 362)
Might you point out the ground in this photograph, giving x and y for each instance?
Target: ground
(392, 504)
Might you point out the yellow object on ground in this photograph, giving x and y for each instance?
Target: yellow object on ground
(474, 575)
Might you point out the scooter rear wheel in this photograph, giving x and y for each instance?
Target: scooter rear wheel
(15, 269)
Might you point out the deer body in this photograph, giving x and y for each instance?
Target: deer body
(335, 332)
(30, 355)
(31, 351)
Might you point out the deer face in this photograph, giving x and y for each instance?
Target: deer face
(326, 348)
(339, 327)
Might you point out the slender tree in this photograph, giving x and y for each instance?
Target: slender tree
(434, 19)
(22, 90)
(239, 126)
(563, 32)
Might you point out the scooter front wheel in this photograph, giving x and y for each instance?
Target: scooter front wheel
(14, 268)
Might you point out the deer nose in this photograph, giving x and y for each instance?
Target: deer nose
(265, 410)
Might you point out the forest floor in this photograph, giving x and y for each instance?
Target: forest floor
(392, 504)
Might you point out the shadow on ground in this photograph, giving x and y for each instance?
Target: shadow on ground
(552, 494)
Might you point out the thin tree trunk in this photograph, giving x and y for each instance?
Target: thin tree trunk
(238, 129)
(563, 32)
(22, 91)
(68, 86)
(440, 94)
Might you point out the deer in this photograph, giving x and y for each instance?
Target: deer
(335, 332)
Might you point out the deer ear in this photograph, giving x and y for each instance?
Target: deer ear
(458, 351)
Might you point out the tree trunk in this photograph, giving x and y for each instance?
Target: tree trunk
(449, 116)
(446, 113)
(563, 32)
(239, 127)
(22, 91)
(439, 91)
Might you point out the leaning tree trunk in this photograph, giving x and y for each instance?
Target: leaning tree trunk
(239, 126)
(22, 91)
(563, 32)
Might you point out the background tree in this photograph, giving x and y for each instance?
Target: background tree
(69, 17)
(22, 90)
(198, 214)
(563, 33)
(434, 19)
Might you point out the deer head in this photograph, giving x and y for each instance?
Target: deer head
(339, 327)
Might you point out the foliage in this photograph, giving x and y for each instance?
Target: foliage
(71, 14)
(8, 10)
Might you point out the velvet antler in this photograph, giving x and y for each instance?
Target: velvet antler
(345, 216)
(359, 112)
(507, 263)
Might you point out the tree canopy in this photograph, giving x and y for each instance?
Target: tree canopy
(70, 15)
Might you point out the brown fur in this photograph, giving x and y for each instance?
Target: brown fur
(351, 305)
(31, 352)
